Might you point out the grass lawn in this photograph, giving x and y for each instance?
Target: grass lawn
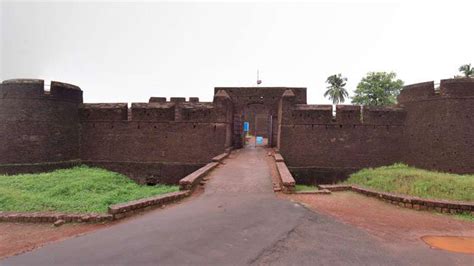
(80, 190)
(305, 188)
(400, 178)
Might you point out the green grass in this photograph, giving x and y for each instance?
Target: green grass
(305, 188)
(465, 216)
(400, 178)
(80, 190)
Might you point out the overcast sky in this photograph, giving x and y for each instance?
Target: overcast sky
(127, 52)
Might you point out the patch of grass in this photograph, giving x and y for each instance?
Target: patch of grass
(400, 178)
(80, 189)
(305, 188)
(465, 216)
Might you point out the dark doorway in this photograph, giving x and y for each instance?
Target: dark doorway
(259, 117)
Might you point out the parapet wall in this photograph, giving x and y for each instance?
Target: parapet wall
(156, 142)
(439, 127)
(38, 126)
(321, 148)
(160, 141)
(428, 129)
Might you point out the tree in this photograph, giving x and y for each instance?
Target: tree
(336, 91)
(467, 70)
(378, 88)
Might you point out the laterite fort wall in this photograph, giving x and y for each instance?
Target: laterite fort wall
(320, 148)
(151, 142)
(39, 130)
(439, 127)
(156, 142)
(428, 129)
(162, 141)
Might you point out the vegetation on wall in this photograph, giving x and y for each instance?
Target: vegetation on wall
(378, 88)
(78, 190)
(402, 179)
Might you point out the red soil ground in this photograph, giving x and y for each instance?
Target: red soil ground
(390, 223)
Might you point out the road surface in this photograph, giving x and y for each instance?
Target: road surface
(238, 220)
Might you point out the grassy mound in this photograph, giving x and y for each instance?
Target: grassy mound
(81, 189)
(400, 178)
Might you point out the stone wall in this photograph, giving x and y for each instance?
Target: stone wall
(163, 141)
(155, 142)
(428, 129)
(151, 142)
(439, 127)
(320, 148)
(39, 129)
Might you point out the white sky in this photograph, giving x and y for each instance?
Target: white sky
(127, 52)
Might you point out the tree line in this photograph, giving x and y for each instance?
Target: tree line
(376, 88)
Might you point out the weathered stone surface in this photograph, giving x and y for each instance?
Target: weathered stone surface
(287, 180)
(278, 157)
(59, 223)
(118, 209)
(191, 180)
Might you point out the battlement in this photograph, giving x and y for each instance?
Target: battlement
(104, 111)
(374, 115)
(449, 88)
(34, 89)
(462, 87)
(265, 95)
(154, 111)
(173, 99)
(348, 114)
(160, 112)
(311, 114)
(157, 100)
(344, 115)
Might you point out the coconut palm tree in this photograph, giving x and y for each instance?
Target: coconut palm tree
(467, 70)
(336, 91)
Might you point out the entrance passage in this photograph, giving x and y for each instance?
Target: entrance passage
(256, 141)
(257, 124)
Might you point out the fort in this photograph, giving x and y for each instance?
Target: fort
(164, 140)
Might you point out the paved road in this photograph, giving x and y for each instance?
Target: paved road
(237, 221)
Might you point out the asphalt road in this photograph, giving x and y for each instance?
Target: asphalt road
(237, 221)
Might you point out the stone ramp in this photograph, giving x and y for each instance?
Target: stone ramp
(245, 172)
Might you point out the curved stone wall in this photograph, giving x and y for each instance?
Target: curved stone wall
(39, 129)
(439, 126)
